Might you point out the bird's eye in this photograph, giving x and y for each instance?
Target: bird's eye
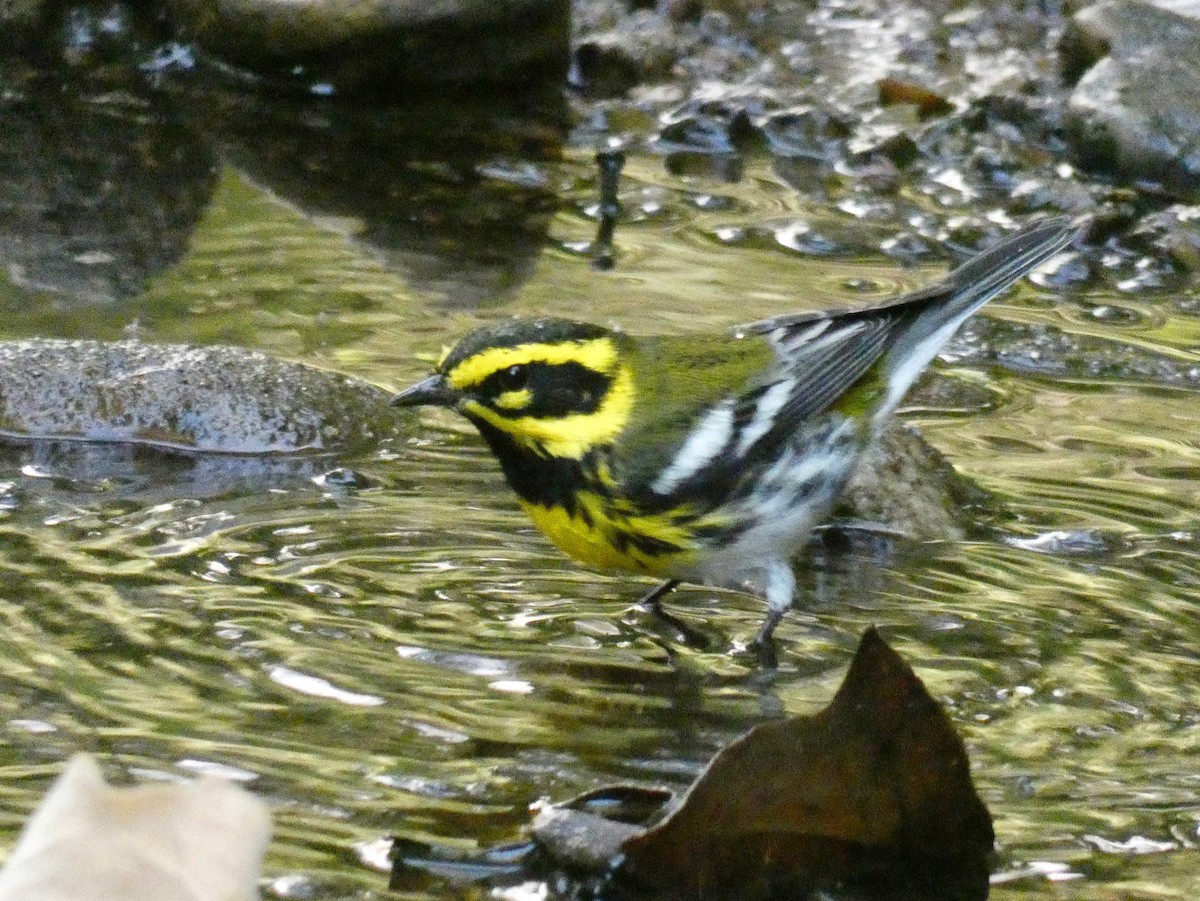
(514, 378)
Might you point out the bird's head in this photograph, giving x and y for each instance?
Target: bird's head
(556, 387)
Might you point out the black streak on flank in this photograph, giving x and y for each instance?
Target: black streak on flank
(553, 481)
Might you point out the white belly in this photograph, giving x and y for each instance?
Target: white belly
(795, 495)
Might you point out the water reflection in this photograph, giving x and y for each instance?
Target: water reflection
(64, 475)
(450, 195)
(105, 174)
(383, 665)
(99, 190)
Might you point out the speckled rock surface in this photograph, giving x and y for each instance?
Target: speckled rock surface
(904, 484)
(212, 399)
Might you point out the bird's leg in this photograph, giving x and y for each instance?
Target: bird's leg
(770, 621)
(652, 600)
(781, 590)
(651, 603)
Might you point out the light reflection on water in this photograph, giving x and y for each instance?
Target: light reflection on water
(411, 658)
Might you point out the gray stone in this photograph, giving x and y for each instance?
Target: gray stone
(209, 399)
(380, 46)
(581, 841)
(905, 485)
(1135, 113)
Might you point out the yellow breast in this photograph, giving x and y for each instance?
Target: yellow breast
(604, 535)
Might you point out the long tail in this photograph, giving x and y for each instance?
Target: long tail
(942, 307)
(889, 343)
(982, 277)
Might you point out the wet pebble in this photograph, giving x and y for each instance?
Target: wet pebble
(343, 478)
(1114, 315)
(907, 247)
(811, 133)
(1173, 233)
(1063, 271)
(641, 47)
(802, 238)
(1073, 543)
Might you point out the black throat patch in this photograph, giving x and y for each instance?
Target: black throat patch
(548, 481)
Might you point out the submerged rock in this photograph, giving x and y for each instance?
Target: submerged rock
(212, 399)
(904, 484)
(1135, 113)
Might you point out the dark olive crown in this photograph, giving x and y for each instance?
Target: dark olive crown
(513, 332)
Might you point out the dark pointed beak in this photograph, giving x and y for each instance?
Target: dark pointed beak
(434, 391)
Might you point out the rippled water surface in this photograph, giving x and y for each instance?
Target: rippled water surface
(410, 658)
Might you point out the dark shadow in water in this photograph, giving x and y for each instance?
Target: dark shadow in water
(52, 474)
(101, 184)
(448, 189)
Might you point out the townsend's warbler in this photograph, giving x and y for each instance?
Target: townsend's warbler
(698, 459)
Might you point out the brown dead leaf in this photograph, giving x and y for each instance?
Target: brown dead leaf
(872, 791)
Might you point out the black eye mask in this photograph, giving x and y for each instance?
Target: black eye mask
(557, 389)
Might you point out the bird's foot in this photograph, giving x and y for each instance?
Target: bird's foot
(683, 633)
(763, 651)
(763, 644)
(767, 656)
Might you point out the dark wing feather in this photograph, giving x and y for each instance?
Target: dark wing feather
(818, 362)
(828, 351)
(824, 365)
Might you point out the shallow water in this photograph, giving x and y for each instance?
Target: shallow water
(410, 658)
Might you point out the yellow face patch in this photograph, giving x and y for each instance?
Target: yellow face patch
(513, 400)
(570, 436)
(599, 354)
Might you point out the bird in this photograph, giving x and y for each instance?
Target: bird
(706, 459)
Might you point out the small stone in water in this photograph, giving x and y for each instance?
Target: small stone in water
(342, 477)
